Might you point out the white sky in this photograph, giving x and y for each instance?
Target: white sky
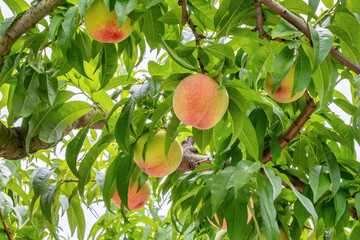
(343, 87)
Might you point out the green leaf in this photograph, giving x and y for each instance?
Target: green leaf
(78, 217)
(5, 174)
(267, 208)
(161, 110)
(348, 45)
(237, 118)
(334, 168)
(322, 40)
(345, 131)
(17, 6)
(183, 62)
(20, 213)
(154, 28)
(48, 88)
(108, 189)
(236, 215)
(328, 3)
(123, 8)
(324, 80)
(52, 128)
(243, 172)
(281, 66)
(37, 120)
(89, 159)
(68, 27)
(222, 52)
(171, 133)
(4, 25)
(55, 23)
(302, 72)
(340, 205)
(299, 7)
(299, 157)
(7, 70)
(172, 17)
(202, 137)
(75, 58)
(122, 127)
(84, 5)
(47, 200)
(220, 186)
(248, 138)
(203, 12)
(139, 92)
(274, 180)
(19, 191)
(6, 204)
(306, 203)
(39, 179)
(74, 146)
(319, 181)
(109, 63)
(229, 15)
(275, 147)
(357, 203)
(123, 175)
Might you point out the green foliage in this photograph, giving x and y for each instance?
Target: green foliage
(55, 75)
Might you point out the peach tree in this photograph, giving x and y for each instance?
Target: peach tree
(87, 86)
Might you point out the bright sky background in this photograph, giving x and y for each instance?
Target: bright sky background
(99, 209)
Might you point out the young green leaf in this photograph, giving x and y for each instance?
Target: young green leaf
(322, 40)
(319, 181)
(122, 127)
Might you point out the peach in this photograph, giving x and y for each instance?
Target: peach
(103, 25)
(155, 163)
(224, 225)
(136, 199)
(283, 93)
(199, 102)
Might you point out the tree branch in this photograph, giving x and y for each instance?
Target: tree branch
(191, 159)
(21, 25)
(12, 140)
(303, 27)
(6, 227)
(295, 127)
(198, 37)
(260, 21)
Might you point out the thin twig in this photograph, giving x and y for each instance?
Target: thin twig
(325, 14)
(198, 37)
(6, 227)
(260, 21)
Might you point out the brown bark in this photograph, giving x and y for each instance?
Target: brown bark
(12, 140)
(21, 25)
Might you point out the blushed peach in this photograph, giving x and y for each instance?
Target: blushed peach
(103, 25)
(283, 93)
(199, 102)
(136, 199)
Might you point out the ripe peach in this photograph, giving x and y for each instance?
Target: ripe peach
(155, 163)
(103, 25)
(198, 102)
(136, 199)
(283, 93)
